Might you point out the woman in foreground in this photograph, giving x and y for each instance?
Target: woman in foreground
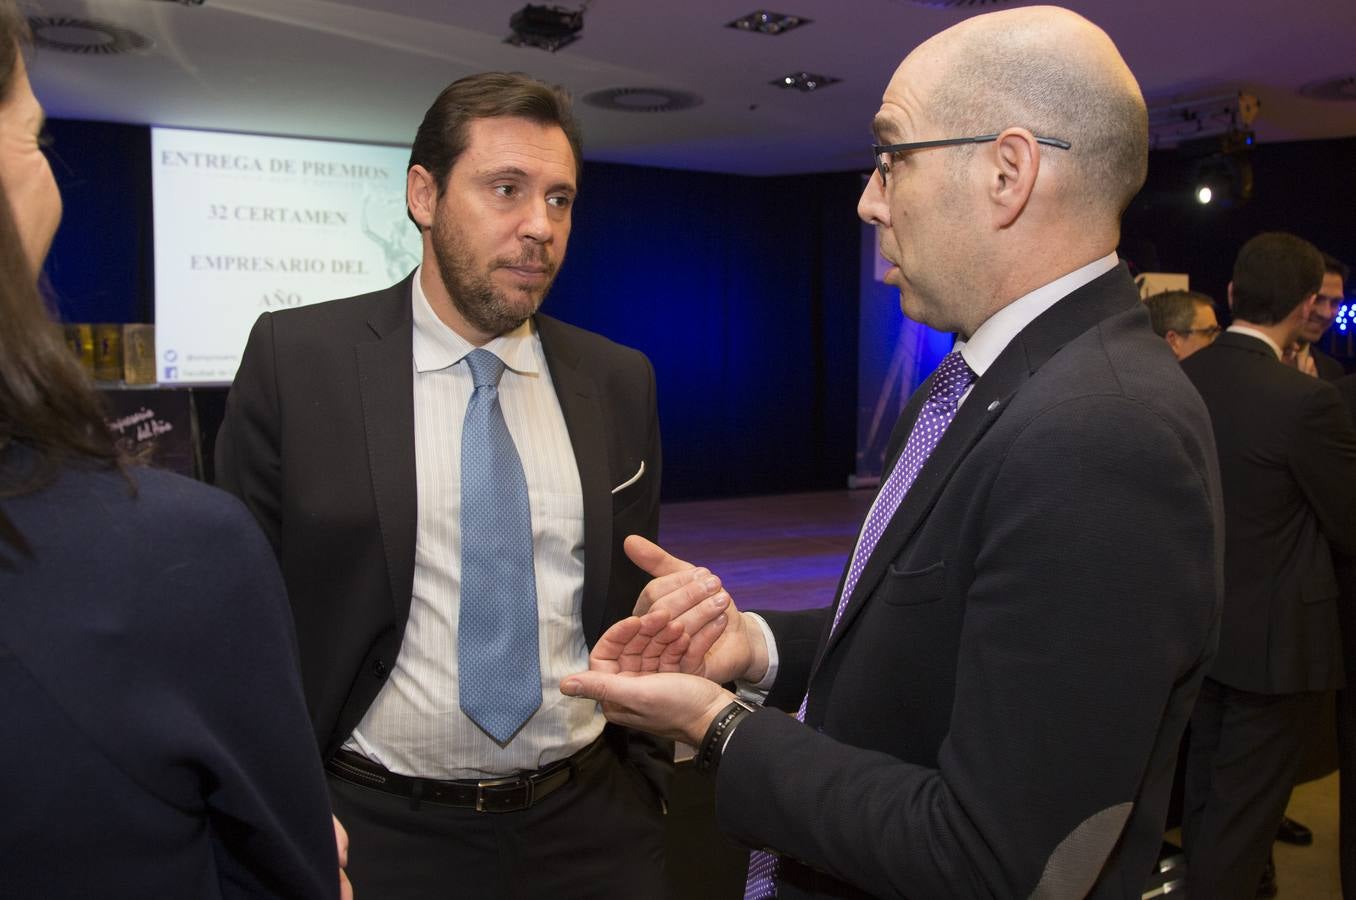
(154, 740)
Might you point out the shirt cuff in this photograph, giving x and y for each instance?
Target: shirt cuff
(756, 692)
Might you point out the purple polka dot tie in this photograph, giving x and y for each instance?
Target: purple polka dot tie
(949, 383)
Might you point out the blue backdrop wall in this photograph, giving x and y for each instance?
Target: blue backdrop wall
(100, 266)
(742, 291)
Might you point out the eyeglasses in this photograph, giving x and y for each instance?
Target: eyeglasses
(1209, 333)
(883, 152)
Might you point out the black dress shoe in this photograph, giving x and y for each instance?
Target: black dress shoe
(1266, 886)
(1292, 832)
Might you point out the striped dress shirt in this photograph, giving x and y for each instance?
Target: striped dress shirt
(416, 726)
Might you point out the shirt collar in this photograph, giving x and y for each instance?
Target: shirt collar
(999, 329)
(436, 346)
(1254, 333)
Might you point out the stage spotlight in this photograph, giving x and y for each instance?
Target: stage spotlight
(545, 27)
(1222, 180)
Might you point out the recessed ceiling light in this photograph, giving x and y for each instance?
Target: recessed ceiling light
(951, 4)
(804, 81)
(70, 35)
(642, 99)
(765, 21)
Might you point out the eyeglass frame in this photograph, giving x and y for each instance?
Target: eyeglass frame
(880, 150)
(1210, 331)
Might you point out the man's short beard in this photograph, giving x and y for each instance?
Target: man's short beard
(483, 306)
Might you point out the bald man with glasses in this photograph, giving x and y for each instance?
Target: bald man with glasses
(991, 703)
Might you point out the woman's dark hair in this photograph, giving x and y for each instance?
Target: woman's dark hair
(47, 402)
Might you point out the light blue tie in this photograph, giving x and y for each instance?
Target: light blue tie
(498, 662)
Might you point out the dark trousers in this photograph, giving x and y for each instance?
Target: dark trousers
(1346, 725)
(601, 836)
(1346, 786)
(1241, 763)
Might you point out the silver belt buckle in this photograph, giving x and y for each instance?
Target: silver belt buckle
(507, 781)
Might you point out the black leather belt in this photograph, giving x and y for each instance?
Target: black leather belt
(508, 794)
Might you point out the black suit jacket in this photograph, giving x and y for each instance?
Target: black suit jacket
(318, 440)
(1288, 461)
(1328, 368)
(156, 741)
(998, 712)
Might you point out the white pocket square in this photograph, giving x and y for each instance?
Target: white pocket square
(632, 480)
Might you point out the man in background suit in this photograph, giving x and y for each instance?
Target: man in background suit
(1288, 465)
(1303, 354)
(401, 487)
(1334, 284)
(1185, 319)
(1309, 359)
(997, 693)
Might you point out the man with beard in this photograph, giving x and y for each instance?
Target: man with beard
(446, 476)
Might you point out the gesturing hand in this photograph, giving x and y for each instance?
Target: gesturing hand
(640, 645)
(722, 645)
(679, 707)
(341, 844)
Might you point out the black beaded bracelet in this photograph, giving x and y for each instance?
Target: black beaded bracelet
(718, 734)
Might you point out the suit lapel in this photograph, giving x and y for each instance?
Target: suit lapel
(980, 410)
(386, 386)
(1027, 352)
(582, 407)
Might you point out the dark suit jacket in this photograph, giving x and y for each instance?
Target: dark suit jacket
(318, 440)
(1288, 461)
(156, 742)
(998, 712)
(1328, 368)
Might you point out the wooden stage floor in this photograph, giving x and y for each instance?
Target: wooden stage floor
(785, 551)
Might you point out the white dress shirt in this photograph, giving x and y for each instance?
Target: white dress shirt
(989, 340)
(416, 726)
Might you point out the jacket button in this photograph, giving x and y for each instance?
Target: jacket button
(379, 668)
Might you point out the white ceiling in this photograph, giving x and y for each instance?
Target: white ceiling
(366, 71)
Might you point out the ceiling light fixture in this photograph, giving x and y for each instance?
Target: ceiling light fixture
(1221, 175)
(84, 36)
(804, 81)
(642, 99)
(765, 21)
(546, 27)
(952, 4)
(1181, 120)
